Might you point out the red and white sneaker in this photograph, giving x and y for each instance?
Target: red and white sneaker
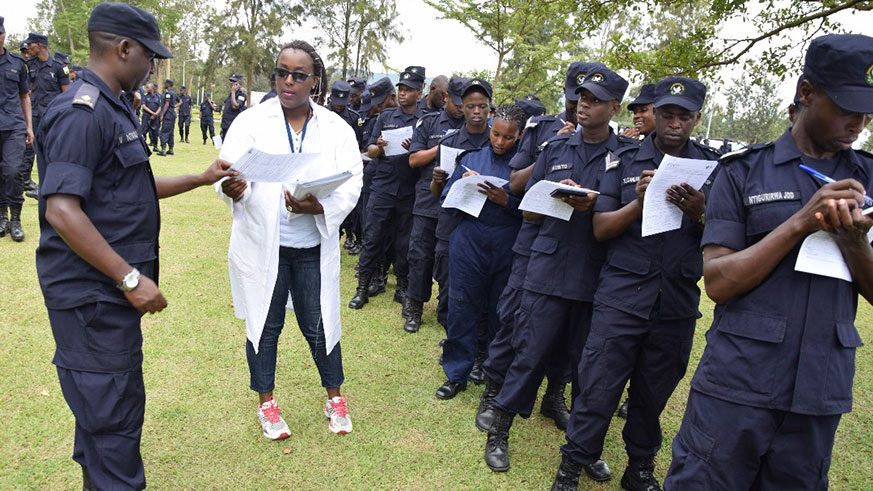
(270, 417)
(337, 412)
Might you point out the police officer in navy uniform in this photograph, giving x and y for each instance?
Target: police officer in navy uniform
(562, 272)
(151, 113)
(23, 51)
(184, 114)
(359, 86)
(435, 100)
(389, 209)
(339, 103)
(234, 103)
(15, 133)
(643, 110)
(207, 123)
(645, 306)
(48, 78)
(429, 131)
(532, 105)
(780, 355)
(170, 103)
(97, 259)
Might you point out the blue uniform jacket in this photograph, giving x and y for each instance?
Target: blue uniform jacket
(13, 84)
(788, 344)
(538, 131)
(185, 108)
(46, 78)
(392, 175)
(565, 258)
(89, 146)
(640, 270)
(172, 98)
(428, 132)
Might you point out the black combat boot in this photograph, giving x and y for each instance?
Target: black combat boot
(162, 152)
(15, 230)
(170, 151)
(554, 405)
(485, 414)
(640, 475)
(400, 289)
(4, 220)
(477, 375)
(414, 310)
(567, 478)
(497, 446)
(361, 296)
(622, 410)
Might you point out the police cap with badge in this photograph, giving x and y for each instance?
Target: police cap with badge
(604, 84)
(366, 102)
(576, 75)
(169, 82)
(842, 66)
(412, 77)
(477, 85)
(378, 92)
(358, 84)
(531, 105)
(35, 37)
(456, 90)
(235, 77)
(684, 92)
(339, 93)
(646, 97)
(126, 20)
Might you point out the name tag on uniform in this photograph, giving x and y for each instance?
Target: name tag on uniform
(758, 199)
(128, 137)
(630, 180)
(557, 167)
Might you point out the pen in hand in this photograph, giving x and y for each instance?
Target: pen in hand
(828, 180)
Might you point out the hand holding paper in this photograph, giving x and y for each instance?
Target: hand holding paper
(538, 199)
(394, 140)
(465, 196)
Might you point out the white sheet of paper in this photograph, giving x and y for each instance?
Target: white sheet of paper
(820, 255)
(216, 140)
(659, 215)
(448, 155)
(365, 157)
(395, 139)
(319, 188)
(465, 195)
(257, 166)
(538, 199)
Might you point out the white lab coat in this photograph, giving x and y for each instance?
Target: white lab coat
(253, 254)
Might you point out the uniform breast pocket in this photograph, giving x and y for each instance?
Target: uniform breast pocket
(10, 82)
(134, 182)
(762, 218)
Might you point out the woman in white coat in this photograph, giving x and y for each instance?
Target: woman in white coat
(281, 245)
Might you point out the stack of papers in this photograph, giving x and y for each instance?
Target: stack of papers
(257, 166)
(395, 139)
(659, 215)
(538, 199)
(448, 156)
(465, 196)
(319, 187)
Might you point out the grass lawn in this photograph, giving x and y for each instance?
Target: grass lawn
(200, 427)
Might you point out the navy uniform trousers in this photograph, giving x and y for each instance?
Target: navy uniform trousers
(422, 246)
(99, 364)
(149, 128)
(653, 354)
(750, 448)
(11, 162)
(388, 224)
(168, 131)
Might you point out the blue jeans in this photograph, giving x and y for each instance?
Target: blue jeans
(299, 275)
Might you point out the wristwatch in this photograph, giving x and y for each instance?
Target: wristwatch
(130, 281)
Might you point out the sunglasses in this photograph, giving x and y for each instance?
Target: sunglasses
(297, 76)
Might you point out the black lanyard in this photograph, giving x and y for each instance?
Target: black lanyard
(302, 135)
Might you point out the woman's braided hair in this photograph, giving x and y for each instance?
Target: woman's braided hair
(317, 64)
(513, 113)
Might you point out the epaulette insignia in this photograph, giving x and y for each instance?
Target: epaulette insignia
(87, 96)
(611, 162)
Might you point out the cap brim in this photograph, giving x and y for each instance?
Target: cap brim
(857, 100)
(682, 102)
(639, 102)
(376, 100)
(596, 89)
(365, 107)
(570, 94)
(410, 84)
(456, 100)
(161, 52)
(340, 102)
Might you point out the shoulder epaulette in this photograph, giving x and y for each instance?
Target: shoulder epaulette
(16, 55)
(705, 148)
(628, 140)
(743, 151)
(86, 96)
(865, 153)
(620, 151)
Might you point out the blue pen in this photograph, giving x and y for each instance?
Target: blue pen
(468, 169)
(818, 175)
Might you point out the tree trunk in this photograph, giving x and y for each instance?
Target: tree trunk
(249, 85)
(69, 28)
(346, 48)
(497, 72)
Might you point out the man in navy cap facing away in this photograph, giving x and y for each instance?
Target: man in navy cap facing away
(15, 133)
(777, 370)
(97, 259)
(48, 78)
(234, 103)
(646, 301)
(170, 103)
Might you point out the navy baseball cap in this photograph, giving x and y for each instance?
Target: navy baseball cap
(842, 66)
(531, 105)
(456, 90)
(412, 77)
(684, 92)
(357, 84)
(129, 21)
(35, 37)
(183, 88)
(576, 75)
(62, 57)
(235, 77)
(2, 27)
(380, 90)
(646, 97)
(478, 85)
(169, 82)
(366, 102)
(23, 46)
(605, 84)
(339, 93)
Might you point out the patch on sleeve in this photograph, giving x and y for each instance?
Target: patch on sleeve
(771, 197)
(611, 162)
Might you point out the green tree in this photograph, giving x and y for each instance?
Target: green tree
(355, 31)
(247, 36)
(868, 145)
(749, 114)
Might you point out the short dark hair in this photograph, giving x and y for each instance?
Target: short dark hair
(101, 42)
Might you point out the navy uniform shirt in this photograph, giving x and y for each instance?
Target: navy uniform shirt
(789, 343)
(422, 106)
(172, 98)
(228, 114)
(367, 124)
(537, 132)
(428, 132)
(565, 258)
(89, 146)
(152, 101)
(352, 117)
(185, 107)
(13, 84)
(392, 175)
(206, 112)
(46, 78)
(641, 270)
